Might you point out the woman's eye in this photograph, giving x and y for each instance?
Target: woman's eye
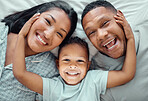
(59, 34)
(48, 21)
(104, 23)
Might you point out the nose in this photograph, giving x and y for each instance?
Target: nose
(101, 34)
(72, 65)
(49, 32)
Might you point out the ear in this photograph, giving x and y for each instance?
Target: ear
(57, 63)
(88, 65)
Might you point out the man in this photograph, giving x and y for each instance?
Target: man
(100, 26)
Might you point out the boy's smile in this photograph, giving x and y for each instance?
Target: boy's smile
(73, 63)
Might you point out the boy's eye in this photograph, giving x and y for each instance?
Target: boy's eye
(66, 60)
(59, 34)
(48, 21)
(81, 61)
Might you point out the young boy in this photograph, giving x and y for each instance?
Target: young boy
(74, 82)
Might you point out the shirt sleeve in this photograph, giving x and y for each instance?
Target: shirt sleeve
(100, 80)
(45, 89)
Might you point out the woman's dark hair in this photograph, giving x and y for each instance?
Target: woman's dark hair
(17, 20)
(95, 4)
(74, 40)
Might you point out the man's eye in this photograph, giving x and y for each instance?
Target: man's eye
(48, 21)
(90, 33)
(59, 34)
(104, 23)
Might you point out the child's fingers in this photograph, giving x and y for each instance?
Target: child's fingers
(33, 18)
(119, 21)
(29, 23)
(118, 18)
(25, 29)
(120, 13)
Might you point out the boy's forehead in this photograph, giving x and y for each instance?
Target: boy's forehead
(74, 47)
(69, 46)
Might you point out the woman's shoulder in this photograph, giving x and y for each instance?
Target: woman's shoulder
(2, 24)
(3, 29)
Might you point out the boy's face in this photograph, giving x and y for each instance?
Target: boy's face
(73, 63)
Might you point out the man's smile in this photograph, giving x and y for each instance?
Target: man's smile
(110, 44)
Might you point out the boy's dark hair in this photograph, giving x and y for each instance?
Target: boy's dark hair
(17, 20)
(95, 4)
(74, 40)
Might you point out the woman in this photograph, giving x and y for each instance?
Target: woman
(55, 23)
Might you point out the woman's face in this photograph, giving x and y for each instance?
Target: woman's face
(48, 31)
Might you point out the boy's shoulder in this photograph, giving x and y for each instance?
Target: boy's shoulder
(96, 75)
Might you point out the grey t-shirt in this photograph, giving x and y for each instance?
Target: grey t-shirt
(136, 89)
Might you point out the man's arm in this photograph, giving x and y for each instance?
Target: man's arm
(116, 78)
(28, 79)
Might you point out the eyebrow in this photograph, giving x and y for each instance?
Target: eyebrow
(80, 57)
(64, 31)
(100, 19)
(52, 18)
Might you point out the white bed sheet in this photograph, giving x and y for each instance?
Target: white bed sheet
(130, 8)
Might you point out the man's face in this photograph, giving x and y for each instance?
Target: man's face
(105, 34)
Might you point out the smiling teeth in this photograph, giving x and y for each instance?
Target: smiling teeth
(72, 73)
(109, 42)
(41, 40)
(111, 47)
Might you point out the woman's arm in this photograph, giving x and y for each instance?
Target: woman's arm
(116, 78)
(28, 79)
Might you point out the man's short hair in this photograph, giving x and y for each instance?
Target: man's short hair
(95, 4)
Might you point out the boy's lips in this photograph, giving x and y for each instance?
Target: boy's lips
(72, 73)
